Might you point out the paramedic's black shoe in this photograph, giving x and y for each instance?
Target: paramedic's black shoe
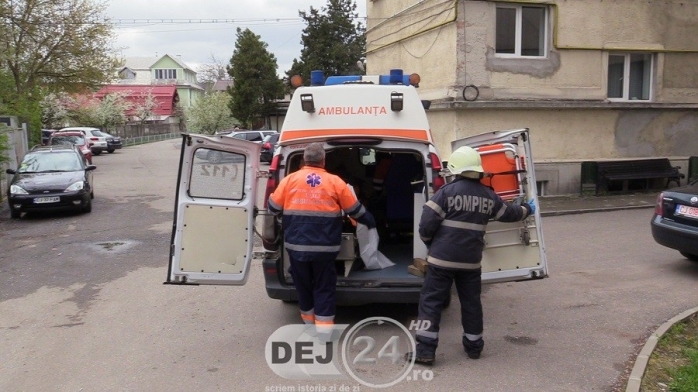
(473, 348)
(422, 360)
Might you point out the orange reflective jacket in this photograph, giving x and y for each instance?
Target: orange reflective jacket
(312, 201)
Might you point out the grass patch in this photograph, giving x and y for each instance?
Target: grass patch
(673, 365)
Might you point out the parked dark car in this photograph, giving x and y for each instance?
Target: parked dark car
(268, 147)
(675, 220)
(113, 142)
(51, 178)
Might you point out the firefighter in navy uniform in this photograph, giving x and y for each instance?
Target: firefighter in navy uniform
(312, 201)
(453, 226)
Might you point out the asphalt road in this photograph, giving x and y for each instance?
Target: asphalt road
(83, 307)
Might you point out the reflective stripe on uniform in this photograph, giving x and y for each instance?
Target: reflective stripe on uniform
(324, 325)
(436, 208)
(501, 212)
(463, 225)
(308, 316)
(312, 248)
(356, 210)
(472, 338)
(325, 320)
(325, 214)
(452, 264)
(273, 206)
(427, 334)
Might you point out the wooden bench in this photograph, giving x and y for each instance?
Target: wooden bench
(638, 169)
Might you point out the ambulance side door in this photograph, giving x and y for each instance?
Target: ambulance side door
(213, 228)
(513, 251)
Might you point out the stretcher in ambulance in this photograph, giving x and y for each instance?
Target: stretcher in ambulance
(377, 138)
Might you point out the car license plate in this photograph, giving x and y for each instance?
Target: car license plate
(691, 212)
(52, 199)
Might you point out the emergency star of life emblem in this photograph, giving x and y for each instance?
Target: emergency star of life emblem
(313, 180)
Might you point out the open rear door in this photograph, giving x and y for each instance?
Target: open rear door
(513, 251)
(213, 229)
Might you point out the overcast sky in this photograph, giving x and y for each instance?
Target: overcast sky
(195, 41)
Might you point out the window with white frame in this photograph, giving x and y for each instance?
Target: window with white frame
(521, 30)
(165, 74)
(630, 76)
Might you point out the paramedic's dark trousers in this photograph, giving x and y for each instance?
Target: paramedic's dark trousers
(316, 285)
(435, 292)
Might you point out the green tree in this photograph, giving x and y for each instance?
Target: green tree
(54, 110)
(257, 87)
(145, 107)
(52, 46)
(4, 144)
(332, 41)
(211, 113)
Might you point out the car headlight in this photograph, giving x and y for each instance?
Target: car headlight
(77, 186)
(17, 190)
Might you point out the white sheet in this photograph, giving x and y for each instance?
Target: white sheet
(368, 248)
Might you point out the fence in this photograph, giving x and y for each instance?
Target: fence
(132, 141)
(142, 130)
(17, 141)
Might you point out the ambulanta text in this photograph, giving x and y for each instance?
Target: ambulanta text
(352, 110)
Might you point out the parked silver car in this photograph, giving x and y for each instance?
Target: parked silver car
(96, 140)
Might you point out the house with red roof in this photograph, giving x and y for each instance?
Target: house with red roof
(163, 99)
(165, 80)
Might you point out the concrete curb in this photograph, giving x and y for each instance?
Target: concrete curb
(643, 358)
(587, 210)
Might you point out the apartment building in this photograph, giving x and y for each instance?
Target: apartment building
(592, 79)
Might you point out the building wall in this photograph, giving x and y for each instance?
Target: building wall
(562, 98)
(562, 138)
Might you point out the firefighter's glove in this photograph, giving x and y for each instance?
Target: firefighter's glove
(531, 206)
(368, 220)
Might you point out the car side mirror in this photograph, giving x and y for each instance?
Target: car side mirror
(90, 167)
(10, 171)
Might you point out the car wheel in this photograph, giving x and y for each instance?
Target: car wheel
(92, 194)
(689, 256)
(214, 157)
(111, 151)
(88, 207)
(15, 214)
(96, 152)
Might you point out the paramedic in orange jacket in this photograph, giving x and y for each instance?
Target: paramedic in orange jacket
(312, 201)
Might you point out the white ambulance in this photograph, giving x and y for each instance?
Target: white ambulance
(360, 120)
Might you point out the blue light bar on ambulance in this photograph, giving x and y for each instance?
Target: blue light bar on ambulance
(317, 78)
(396, 77)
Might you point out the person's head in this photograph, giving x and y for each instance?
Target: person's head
(466, 162)
(314, 155)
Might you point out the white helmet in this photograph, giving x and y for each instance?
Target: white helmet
(465, 159)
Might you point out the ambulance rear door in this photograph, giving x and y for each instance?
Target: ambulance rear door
(513, 251)
(213, 228)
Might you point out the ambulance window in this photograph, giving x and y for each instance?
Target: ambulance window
(217, 175)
